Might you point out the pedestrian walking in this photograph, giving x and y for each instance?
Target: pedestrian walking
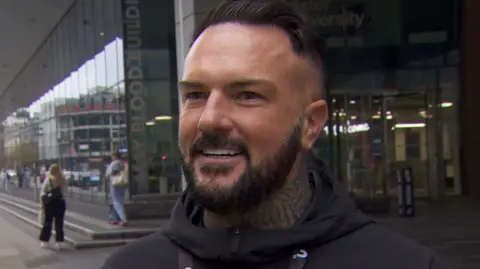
(53, 206)
(117, 176)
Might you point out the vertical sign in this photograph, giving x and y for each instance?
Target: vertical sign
(409, 192)
(135, 93)
(406, 205)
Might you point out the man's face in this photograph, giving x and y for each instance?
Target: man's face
(244, 119)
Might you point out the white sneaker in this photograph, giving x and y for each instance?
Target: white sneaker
(59, 246)
(44, 244)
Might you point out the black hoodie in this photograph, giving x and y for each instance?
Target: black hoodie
(333, 234)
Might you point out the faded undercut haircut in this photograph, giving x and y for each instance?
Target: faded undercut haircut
(278, 13)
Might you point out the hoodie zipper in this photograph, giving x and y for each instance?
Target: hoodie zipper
(235, 241)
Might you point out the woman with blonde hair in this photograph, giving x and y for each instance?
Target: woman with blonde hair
(53, 206)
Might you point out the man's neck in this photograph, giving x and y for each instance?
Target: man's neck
(282, 210)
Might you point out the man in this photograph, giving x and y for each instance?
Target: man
(252, 106)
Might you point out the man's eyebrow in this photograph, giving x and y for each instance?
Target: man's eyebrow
(236, 84)
(242, 83)
(190, 84)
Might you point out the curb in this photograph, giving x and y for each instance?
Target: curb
(69, 214)
(101, 234)
(67, 224)
(32, 223)
(76, 244)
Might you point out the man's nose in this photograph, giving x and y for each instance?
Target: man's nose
(215, 116)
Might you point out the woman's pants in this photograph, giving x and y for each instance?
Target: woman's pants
(118, 202)
(54, 212)
(112, 213)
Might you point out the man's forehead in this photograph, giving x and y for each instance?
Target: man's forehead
(240, 48)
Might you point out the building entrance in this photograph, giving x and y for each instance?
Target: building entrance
(373, 134)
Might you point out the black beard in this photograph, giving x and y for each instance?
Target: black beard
(253, 187)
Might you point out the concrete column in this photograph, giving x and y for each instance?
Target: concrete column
(184, 26)
(188, 13)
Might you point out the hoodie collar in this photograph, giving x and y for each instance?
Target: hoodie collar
(330, 215)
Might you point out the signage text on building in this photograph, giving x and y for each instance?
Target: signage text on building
(324, 15)
(135, 91)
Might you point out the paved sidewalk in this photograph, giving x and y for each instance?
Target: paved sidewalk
(450, 227)
(94, 210)
(19, 250)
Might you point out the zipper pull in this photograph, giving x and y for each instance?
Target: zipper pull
(235, 241)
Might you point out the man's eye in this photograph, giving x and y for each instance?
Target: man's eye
(195, 95)
(248, 96)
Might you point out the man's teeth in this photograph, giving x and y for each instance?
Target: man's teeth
(219, 152)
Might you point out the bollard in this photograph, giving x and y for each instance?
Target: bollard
(400, 193)
(406, 197)
(409, 192)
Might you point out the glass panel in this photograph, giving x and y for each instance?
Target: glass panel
(151, 87)
(376, 134)
(451, 137)
(408, 136)
(359, 156)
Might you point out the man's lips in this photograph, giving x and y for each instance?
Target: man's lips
(229, 160)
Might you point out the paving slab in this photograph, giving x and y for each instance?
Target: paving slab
(449, 226)
(16, 247)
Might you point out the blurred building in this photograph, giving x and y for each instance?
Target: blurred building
(20, 139)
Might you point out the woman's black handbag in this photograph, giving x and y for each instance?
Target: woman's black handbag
(52, 194)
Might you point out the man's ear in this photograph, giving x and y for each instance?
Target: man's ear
(315, 117)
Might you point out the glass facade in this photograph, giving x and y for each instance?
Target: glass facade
(110, 69)
(152, 98)
(392, 87)
(109, 82)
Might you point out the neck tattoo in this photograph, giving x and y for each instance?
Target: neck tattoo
(281, 210)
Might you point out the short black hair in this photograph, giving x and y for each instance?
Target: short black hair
(306, 42)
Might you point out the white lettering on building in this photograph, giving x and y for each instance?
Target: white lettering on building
(322, 16)
(135, 89)
(349, 129)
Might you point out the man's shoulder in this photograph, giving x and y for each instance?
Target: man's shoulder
(144, 253)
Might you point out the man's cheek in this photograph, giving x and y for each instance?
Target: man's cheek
(184, 150)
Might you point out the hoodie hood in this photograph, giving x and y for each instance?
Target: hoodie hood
(331, 215)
